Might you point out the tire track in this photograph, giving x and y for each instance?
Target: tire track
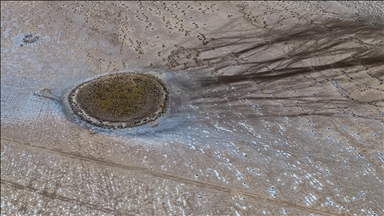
(53, 196)
(144, 170)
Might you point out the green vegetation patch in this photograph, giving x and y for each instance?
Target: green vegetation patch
(120, 100)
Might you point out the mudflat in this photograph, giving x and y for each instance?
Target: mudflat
(274, 108)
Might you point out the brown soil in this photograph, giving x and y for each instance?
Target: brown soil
(124, 100)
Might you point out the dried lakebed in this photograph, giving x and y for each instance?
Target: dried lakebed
(274, 108)
(119, 100)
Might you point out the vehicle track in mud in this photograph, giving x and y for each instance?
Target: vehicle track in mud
(147, 171)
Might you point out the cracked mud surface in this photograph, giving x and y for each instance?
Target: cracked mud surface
(275, 108)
